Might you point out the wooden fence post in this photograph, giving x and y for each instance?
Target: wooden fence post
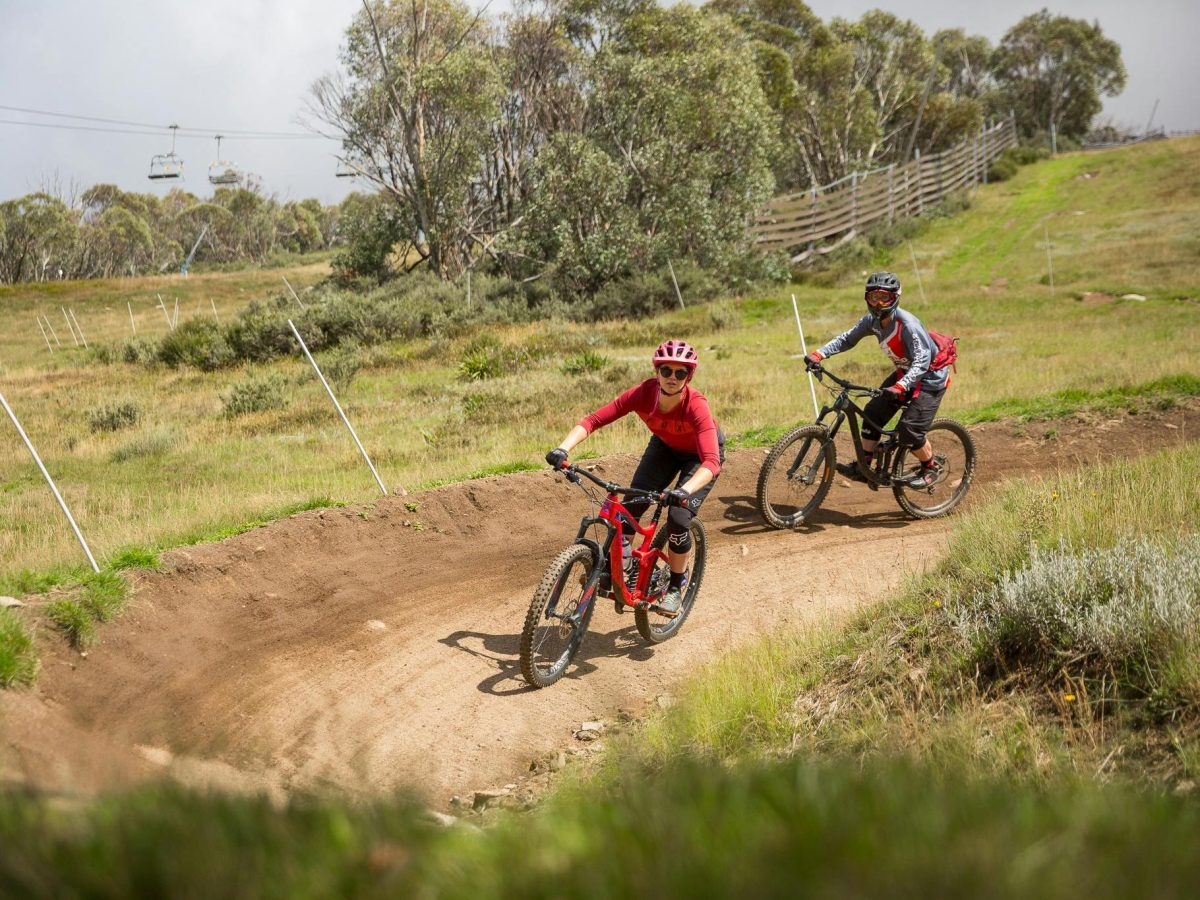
(891, 198)
(920, 192)
(986, 158)
(853, 200)
(812, 218)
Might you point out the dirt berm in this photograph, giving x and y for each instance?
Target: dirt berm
(366, 648)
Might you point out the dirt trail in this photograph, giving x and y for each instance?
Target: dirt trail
(366, 652)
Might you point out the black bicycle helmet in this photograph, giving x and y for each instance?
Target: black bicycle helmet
(882, 282)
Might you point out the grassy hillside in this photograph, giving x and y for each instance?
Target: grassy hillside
(175, 467)
(1023, 721)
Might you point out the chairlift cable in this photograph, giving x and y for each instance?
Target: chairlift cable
(242, 133)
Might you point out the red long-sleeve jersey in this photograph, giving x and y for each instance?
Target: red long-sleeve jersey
(688, 428)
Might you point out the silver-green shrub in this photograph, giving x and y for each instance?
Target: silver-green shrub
(1132, 603)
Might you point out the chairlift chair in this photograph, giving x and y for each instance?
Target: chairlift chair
(167, 166)
(223, 171)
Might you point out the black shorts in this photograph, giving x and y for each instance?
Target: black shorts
(915, 422)
(662, 467)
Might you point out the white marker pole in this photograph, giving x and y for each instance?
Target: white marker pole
(80, 330)
(69, 327)
(163, 307)
(175, 318)
(132, 326)
(804, 348)
(671, 269)
(50, 481)
(45, 337)
(917, 270)
(1049, 256)
(294, 295)
(338, 407)
(53, 333)
(216, 318)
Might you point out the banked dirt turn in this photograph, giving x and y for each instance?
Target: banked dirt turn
(370, 648)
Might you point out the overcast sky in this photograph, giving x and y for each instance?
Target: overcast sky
(247, 64)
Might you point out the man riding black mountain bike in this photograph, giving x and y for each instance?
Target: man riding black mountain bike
(915, 382)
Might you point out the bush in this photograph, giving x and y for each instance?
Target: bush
(587, 361)
(340, 366)
(153, 443)
(198, 343)
(1124, 611)
(724, 315)
(18, 659)
(139, 351)
(1008, 162)
(483, 359)
(114, 416)
(256, 395)
(648, 294)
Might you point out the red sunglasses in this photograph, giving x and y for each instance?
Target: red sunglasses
(880, 298)
(667, 372)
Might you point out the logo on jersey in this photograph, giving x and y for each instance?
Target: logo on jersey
(893, 346)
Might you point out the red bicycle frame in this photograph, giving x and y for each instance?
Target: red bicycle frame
(613, 512)
(615, 517)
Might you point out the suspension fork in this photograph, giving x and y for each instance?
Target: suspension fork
(804, 448)
(602, 553)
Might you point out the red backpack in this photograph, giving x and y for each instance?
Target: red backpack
(947, 351)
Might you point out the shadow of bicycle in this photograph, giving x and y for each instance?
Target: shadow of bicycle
(503, 651)
(743, 512)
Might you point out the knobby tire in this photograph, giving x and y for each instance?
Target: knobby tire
(782, 456)
(655, 628)
(951, 439)
(570, 577)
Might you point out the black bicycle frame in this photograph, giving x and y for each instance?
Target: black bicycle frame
(847, 409)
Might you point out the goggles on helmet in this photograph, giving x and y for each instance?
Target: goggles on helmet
(880, 298)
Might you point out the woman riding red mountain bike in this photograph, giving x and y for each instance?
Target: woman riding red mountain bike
(915, 382)
(686, 448)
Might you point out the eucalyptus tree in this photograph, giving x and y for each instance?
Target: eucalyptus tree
(37, 237)
(671, 153)
(413, 105)
(1052, 71)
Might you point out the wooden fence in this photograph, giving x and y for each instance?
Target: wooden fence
(840, 209)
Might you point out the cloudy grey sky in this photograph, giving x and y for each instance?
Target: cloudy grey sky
(247, 64)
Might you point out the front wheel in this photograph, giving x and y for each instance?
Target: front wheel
(655, 628)
(955, 451)
(796, 476)
(558, 616)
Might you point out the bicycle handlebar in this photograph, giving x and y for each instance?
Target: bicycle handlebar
(819, 370)
(573, 473)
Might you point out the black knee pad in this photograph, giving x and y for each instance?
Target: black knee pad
(679, 534)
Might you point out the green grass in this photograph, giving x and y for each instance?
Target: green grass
(508, 468)
(1160, 394)
(76, 621)
(134, 558)
(690, 830)
(18, 656)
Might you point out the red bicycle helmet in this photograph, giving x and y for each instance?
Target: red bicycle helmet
(676, 352)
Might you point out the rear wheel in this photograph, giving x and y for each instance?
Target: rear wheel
(558, 616)
(652, 626)
(955, 451)
(796, 476)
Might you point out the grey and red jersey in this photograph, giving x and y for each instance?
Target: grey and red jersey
(905, 341)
